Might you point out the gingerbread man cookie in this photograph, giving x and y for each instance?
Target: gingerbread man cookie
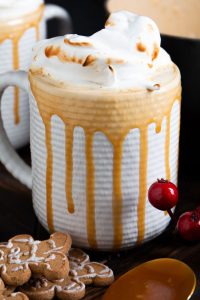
(7, 293)
(81, 269)
(42, 289)
(23, 256)
(77, 257)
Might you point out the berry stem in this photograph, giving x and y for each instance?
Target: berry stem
(171, 216)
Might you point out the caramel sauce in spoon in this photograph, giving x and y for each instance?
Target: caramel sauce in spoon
(166, 279)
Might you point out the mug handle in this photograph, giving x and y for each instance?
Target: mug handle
(8, 156)
(55, 11)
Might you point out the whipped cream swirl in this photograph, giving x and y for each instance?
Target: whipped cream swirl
(125, 54)
(11, 9)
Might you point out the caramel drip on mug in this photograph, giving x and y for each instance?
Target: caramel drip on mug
(14, 32)
(88, 112)
(16, 89)
(16, 105)
(143, 183)
(167, 147)
(158, 127)
(49, 174)
(167, 152)
(117, 194)
(91, 226)
(69, 131)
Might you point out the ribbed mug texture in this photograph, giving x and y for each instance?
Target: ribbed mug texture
(101, 213)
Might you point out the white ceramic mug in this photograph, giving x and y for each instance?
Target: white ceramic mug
(97, 191)
(16, 43)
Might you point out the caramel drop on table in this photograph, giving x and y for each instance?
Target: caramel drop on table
(167, 279)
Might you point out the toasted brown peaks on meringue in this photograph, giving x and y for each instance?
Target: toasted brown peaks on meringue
(51, 51)
(77, 43)
(125, 54)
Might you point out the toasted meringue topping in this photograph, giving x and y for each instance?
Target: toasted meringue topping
(125, 54)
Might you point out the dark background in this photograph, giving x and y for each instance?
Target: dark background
(88, 15)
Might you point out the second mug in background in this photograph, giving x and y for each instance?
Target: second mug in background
(22, 23)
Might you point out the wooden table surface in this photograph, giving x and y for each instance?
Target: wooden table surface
(17, 216)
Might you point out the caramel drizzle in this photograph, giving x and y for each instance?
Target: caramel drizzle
(16, 90)
(117, 193)
(72, 116)
(91, 226)
(29, 21)
(143, 183)
(16, 106)
(69, 159)
(49, 175)
(167, 148)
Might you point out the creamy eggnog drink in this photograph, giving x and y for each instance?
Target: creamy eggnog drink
(22, 23)
(105, 114)
(174, 17)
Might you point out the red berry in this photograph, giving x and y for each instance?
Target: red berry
(189, 225)
(163, 195)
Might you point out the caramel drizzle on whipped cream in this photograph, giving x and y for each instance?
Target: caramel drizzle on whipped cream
(93, 117)
(15, 32)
